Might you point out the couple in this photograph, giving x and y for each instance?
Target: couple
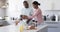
(28, 13)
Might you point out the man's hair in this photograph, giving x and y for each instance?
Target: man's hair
(25, 2)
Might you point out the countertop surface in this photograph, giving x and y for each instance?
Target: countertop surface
(38, 28)
(14, 28)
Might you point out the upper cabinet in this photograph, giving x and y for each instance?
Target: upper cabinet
(3, 3)
(3, 7)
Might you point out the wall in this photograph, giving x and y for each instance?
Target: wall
(57, 4)
(49, 5)
(16, 5)
(14, 8)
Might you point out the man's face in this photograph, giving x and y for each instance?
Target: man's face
(26, 5)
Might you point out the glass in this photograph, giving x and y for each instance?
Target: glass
(21, 28)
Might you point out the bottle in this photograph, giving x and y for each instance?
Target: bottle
(21, 28)
(22, 25)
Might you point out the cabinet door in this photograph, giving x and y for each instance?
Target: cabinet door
(2, 12)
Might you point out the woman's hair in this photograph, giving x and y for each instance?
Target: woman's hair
(36, 3)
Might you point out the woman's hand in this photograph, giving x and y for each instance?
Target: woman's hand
(16, 22)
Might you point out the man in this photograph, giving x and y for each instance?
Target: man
(26, 11)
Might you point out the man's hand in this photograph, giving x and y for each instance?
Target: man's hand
(24, 17)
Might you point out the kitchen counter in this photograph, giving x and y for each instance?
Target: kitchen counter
(13, 28)
(42, 28)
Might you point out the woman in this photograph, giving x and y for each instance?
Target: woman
(37, 13)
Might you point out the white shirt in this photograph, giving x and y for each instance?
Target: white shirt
(26, 11)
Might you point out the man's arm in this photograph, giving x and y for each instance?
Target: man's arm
(21, 18)
(17, 21)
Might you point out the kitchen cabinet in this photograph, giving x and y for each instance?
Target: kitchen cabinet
(3, 3)
(2, 12)
(53, 26)
(3, 7)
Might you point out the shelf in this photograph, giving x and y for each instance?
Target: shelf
(51, 21)
(52, 10)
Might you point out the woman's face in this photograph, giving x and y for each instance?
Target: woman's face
(35, 6)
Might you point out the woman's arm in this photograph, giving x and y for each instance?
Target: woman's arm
(35, 14)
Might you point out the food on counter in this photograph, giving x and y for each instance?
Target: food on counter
(32, 27)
